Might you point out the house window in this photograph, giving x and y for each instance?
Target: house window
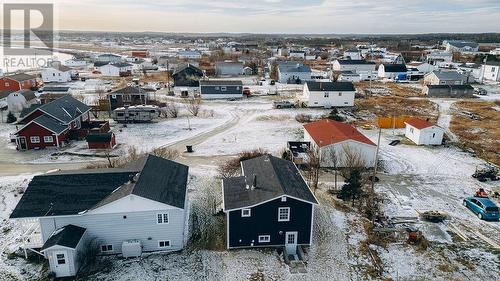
(35, 139)
(264, 238)
(340, 94)
(246, 212)
(283, 199)
(162, 218)
(7, 84)
(493, 69)
(284, 214)
(127, 98)
(48, 139)
(106, 248)
(217, 88)
(223, 89)
(326, 95)
(433, 135)
(60, 259)
(411, 130)
(164, 244)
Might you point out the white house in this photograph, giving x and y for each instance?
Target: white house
(56, 73)
(491, 71)
(19, 100)
(442, 77)
(114, 211)
(460, 46)
(291, 72)
(392, 71)
(116, 69)
(423, 67)
(339, 144)
(353, 54)
(109, 58)
(189, 54)
(298, 54)
(437, 57)
(356, 66)
(422, 132)
(327, 94)
(78, 63)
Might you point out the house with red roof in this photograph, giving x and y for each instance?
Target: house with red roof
(422, 132)
(339, 144)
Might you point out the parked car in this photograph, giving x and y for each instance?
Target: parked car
(283, 104)
(483, 207)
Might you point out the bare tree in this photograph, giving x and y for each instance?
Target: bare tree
(352, 159)
(172, 109)
(166, 152)
(232, 167)
(314, 163)
(333, 158)
(194, 105)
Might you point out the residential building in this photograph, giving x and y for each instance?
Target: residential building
(438, 57)
(293, 73)
(328, 94)
(353, 54)
(356, 66)
(19, 100)
(127, 96)
(460, 46)
(16, 82)
(392, 71)
(422, 132)
(451, 91)
(120, 211)
(117, 69)
(187, 75)
(56, 73)
(297, 54)
(423, 67)
(228, 68)
(339, 143)
(491, 71)
(270, 205)
(189, 54)
(221, 89)
(108, 58)
(445, 77)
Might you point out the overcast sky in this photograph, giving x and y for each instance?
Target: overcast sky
(280, 16)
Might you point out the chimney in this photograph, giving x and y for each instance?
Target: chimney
(254, 182)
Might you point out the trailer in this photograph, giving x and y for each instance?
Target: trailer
(136, 114)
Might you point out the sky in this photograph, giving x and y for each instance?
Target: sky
(278, 16)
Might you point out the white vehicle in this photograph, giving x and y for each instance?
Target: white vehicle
(136, 114)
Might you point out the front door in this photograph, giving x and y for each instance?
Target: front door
(22, 143)
(61, 263)
(291, 242)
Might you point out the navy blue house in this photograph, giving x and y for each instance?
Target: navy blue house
(270, 205)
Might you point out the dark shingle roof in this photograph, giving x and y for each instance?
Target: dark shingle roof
(355, 62)
(120, 64)
(164, 181)
(28, 94)
(55, 89)
(67, 236)
(5, 93)
(185, 66)
(448, 75)
(395, 68)
(221, 83)
(293, 67)
(128, 90)
(99, 137)
(453, 87)
(50, 123)
(100, 63)
(330, 86)
(64, 109)
(69, 193)
(21, 77)
(274, 177)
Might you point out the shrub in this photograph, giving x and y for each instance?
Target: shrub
(303, 118)
(11, 118)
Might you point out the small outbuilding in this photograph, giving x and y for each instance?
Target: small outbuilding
(422, 132)
(101, 140)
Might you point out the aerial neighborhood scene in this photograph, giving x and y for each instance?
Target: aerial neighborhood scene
(250, 140)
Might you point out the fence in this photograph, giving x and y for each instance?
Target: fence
(397, 122)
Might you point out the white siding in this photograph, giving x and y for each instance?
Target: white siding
(427, 136)
(54, 75)
(327, 99)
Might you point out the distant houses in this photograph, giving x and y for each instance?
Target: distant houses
(340, 144)
(445, 77)
(228, 68)
(270, 205)
(189, 54)
(392, 71)
(118, 211)
(460, 46)
(221, 89)
(449, 91)
(328, 94)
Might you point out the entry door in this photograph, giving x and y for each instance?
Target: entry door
(291, 242)
(61, 263)
(22, 143)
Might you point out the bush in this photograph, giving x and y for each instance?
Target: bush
(303, 118)
(232, 167)
(334, 115)
(11, 118)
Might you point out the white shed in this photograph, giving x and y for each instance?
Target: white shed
(422, 132)
(328, 94)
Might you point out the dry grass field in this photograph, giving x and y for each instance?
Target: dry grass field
(477, 125)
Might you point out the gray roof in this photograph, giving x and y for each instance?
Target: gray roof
(293, 67)
(60, 67)
(69, 193)
(5, 93)
(128, 90)
(50, 123)
(73, 192)
(163, 180)
(496, 63)
(185, 66)
(448, 75)
(65, 108)
(55, 89)
(355, 62)
(461, 44)
(330, 86)
(28, 94)
(274, 177)
(21, 77)
(100, 63)
(221, 83)
(120, 64)
(67, 236)
(452, 87)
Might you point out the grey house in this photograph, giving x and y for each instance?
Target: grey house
(221, 89)
(452, 91)
(291, 72)
(127, 96)
(229, 68)
(116, 211)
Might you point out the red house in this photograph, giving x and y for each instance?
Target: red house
(52, 124)
(17, 82)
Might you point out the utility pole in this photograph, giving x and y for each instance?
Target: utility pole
(372, 201)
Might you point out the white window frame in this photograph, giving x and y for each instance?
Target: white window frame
(107, 250)
(58, 259)
(283, 198)
(264, 238)
(287, 212)
(223, 89)
(48, 139)
(246, 213)
(160, 218)
(326, 95)
(35, 139)
(164, 242)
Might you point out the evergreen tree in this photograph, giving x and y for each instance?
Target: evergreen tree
(334, 115)
(11, 118)
(352, 188)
